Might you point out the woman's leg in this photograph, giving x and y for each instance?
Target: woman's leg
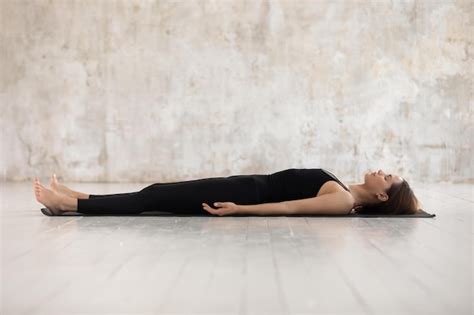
(128, 193)
(110, 195)
(178, 197)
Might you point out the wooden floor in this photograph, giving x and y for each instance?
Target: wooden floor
(236, 265)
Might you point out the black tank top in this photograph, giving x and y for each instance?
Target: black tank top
(293, 183)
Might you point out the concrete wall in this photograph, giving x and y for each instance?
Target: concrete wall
(174, 90)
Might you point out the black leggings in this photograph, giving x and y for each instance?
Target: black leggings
(179, 197)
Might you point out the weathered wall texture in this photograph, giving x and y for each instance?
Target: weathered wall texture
(174, 90)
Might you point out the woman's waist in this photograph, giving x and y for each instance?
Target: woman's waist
(270, 187)
(267, 188)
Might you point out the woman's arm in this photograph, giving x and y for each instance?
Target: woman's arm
(229, 208)
(331, 203)
(328, 204)
(264, 209)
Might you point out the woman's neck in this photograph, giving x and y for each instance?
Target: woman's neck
(361, 195)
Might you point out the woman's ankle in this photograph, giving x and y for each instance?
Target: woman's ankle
(68, 203)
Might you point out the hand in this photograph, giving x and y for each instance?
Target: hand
(223, 208)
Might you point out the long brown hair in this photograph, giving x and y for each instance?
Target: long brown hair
(401, 200)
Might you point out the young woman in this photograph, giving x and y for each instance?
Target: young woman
(291, 191)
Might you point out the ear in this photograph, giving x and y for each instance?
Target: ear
(382, 197)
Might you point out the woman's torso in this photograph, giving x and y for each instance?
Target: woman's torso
(297, 183)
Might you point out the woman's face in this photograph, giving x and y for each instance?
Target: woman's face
(381, 181)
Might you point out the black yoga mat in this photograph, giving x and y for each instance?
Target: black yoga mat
(422, 214)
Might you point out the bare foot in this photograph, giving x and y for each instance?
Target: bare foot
(63, 189)
(60, 188)
(51, 199)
